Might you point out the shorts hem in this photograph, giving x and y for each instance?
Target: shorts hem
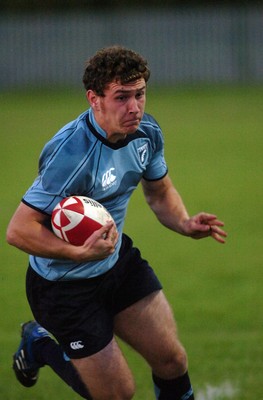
(83, 353)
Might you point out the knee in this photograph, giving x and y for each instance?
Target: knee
(180, 362)
(118, 391)
(126, 392)
(172, 365)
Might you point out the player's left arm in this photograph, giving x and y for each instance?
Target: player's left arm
(168, 206)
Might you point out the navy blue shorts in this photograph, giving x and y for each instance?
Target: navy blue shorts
(80, 313)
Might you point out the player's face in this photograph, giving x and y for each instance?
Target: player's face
(120, 111)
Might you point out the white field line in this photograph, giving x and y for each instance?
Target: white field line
(225, 391)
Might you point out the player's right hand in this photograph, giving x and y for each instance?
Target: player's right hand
(101, 244)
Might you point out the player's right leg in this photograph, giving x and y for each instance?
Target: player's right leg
(78, 314)
(25, 366)
(106, 374)
(37, 349)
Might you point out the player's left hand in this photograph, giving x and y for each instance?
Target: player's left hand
(203, 225)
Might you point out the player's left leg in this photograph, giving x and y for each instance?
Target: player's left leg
(149, 327)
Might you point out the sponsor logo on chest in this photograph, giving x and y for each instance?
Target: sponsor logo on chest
(109, 179)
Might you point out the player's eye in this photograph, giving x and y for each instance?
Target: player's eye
(121, 98)
(140, 94)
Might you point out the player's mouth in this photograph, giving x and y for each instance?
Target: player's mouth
(132, 122)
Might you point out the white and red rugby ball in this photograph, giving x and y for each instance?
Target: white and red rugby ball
(75, 218)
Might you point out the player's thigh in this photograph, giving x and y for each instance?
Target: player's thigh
(106, 374)
(150, 328)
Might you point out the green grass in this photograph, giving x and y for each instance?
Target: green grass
(214, 151)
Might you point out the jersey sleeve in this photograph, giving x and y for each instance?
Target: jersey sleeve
(61, 160)
(157, 167)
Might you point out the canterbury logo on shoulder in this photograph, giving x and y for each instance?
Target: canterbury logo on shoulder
(76, 345)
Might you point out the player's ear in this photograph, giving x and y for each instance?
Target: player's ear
(93, 99)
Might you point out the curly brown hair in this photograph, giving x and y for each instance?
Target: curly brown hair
(115, 63)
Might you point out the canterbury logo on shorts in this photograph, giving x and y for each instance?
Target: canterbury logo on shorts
(76, 345)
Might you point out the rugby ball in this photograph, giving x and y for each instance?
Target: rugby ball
(75, 218)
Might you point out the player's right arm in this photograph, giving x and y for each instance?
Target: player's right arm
(29, 231)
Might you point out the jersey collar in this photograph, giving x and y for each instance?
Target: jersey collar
(102, 136)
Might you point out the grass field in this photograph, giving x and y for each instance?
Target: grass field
(214, 151)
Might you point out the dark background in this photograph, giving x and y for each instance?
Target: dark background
(51, 5)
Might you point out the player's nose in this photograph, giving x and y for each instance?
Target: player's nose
(133, 106)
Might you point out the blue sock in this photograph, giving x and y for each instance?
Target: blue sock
(174, 389)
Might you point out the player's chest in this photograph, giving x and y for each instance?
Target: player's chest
(117, 171)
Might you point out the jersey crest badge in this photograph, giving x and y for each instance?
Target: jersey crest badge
(142, 151)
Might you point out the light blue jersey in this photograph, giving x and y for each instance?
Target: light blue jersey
(79, 160)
